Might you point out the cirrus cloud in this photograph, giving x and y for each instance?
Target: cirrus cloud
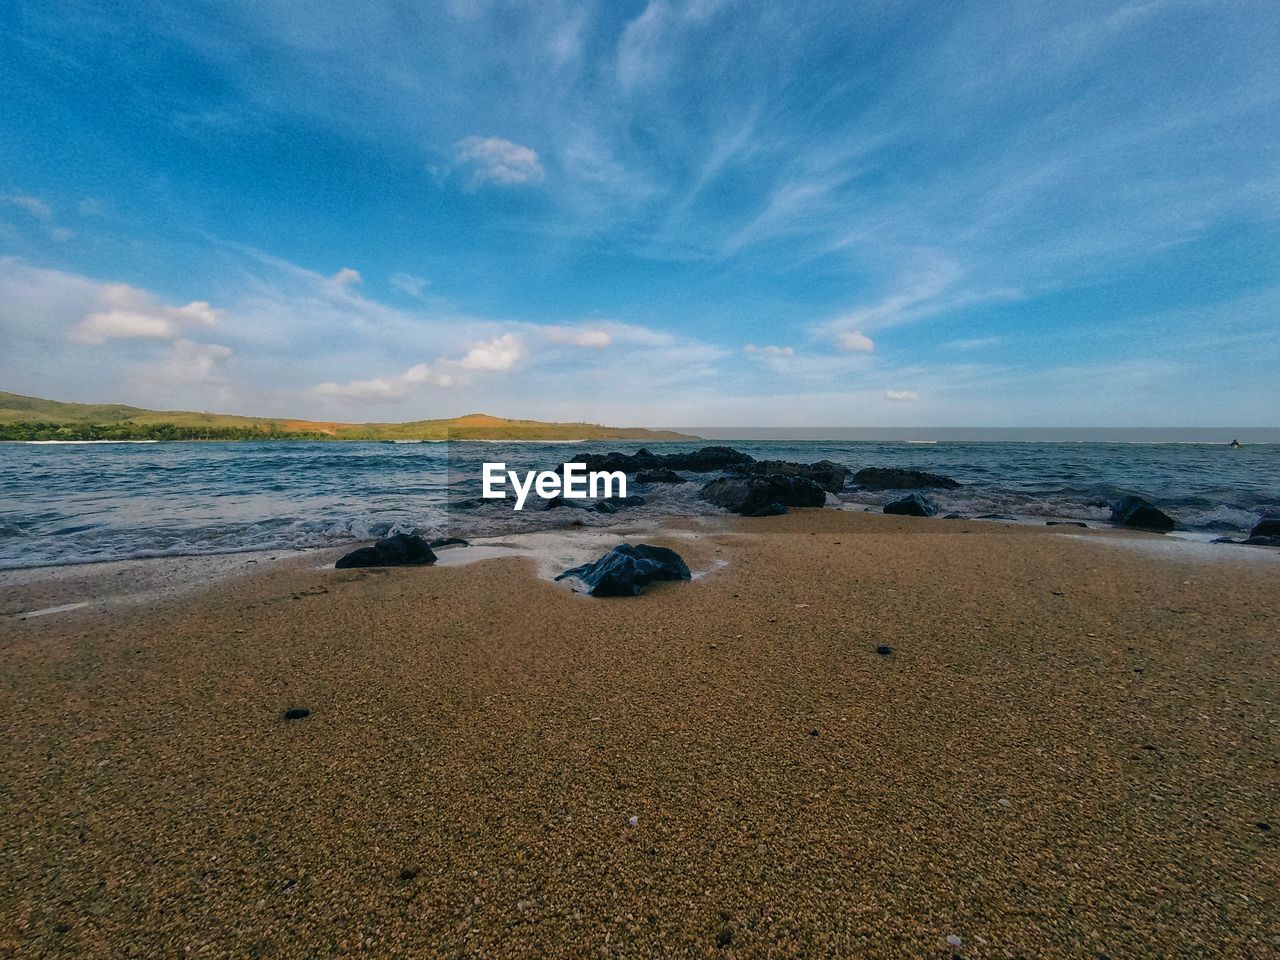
(769, 351)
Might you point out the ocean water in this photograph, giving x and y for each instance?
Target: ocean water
(81, 503)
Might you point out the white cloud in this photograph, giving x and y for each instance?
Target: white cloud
(346, 277)
(381, 389)
(854, 341)
(579, 336)
(502, 353)
(41, 212)
(424, 373)
(494, 160)
(769, 351)
(491, 356)
(34, 206)
(976, 343)
(901, 395)
(195, 362)
(408, 283)
(130, 313)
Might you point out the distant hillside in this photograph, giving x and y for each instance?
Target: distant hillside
(31, 418)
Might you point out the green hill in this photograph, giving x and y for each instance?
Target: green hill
(32, 418)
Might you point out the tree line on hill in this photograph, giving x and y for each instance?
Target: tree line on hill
(37, 430)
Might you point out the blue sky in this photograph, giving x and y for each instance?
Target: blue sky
(688, 213)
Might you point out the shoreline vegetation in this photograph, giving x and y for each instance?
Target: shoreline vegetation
(25, 418)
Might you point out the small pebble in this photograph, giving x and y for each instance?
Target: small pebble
(883, 650)
(634, 821)
(724, 936)
(408, 873)
(296, 713)
(953, 940)
(813, 733)
(1004, 803)
(1263, 825)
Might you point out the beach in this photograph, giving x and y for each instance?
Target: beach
(1068, 751)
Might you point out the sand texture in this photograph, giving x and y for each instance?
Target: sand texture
(1070, 752)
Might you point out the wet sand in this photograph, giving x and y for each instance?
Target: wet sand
(1070, 752)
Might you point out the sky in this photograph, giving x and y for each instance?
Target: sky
(663, 212)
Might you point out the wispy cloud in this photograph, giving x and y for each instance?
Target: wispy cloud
(492, 160)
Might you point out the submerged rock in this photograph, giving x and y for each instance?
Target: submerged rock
(827, 474)
(626, 570)
(704, 460)
(750, 495)
(404, 549)
(891, 478)
(448, 542)
(662, 475)
(912, 505)
(1141, 514)
(1066, 523)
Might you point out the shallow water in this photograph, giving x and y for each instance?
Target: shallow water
(89, 502)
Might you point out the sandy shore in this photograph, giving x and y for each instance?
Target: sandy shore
(1070, 752)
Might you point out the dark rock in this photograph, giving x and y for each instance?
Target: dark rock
(296, 713)
(888, 478)
(1140, 514)
(912, 505)
(408, 873)
(626, 570)
(955, 516)
(698, 461)
(662, 475)
(883, 650)
(560, 500)
(749, 495)
(724, 937)
(827, 474)
(1065, 523)
(404, 549)
(994, 516)
(771, 510)
(466, 503)
(448, 542)
(604, 506)
(1268, 526)
(1251, 541)
(813, 733)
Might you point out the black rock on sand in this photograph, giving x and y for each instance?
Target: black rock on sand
(626, 570)
(1141, 515)
(912, 505)
(404, 549)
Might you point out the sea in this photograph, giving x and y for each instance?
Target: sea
(74, 503)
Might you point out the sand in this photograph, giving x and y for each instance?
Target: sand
(1070, 752)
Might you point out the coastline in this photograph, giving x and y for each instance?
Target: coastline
(1068, 745)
